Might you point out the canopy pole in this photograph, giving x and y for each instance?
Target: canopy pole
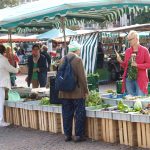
(10, 39)
(10, 43)
(62, 19)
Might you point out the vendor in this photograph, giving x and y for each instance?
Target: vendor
(135, 82)
(37, 68)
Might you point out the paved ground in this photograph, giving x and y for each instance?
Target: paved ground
(18, 138)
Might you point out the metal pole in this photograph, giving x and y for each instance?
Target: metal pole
(62, 19)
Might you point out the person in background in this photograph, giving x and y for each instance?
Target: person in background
(13, 60)
(37, 68)
(44, 52)
(5, 69)
(100, 55)
(73, 103)
(139, 86)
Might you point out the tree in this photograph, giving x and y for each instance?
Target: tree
(6, 3)
(142, 18)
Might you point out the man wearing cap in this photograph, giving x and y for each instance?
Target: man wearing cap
(73, 103)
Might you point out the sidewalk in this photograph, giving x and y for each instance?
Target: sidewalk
(18, 138)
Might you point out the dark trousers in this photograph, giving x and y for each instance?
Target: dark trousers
(74, 108)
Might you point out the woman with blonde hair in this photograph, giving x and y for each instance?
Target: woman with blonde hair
(135, 64)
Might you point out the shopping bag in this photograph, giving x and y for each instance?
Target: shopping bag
(13, 96)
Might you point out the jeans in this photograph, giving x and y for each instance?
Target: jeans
(2, 101)
(133, 88)
(74, 108)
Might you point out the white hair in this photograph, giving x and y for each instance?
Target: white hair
(133, 34)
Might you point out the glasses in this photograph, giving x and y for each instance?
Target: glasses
(130, 39)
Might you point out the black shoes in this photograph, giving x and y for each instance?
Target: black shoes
(68, 138)
(76, 139)
(79, 139)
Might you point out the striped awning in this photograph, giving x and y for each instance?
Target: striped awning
(89, 44)
(76, 12)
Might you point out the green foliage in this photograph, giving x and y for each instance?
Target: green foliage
(10, 3)
(122, 107)
(132, 72)
(93, 99)
(104, 74)
(142, 18)
(45, 101)
(93, 81)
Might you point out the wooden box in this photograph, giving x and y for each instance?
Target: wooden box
(24, 117)
(110, 130)
(16, 116)
(143, 135)
(93, 128)
(8, 115)
(54, 122)
(127, 133)
(33, 119)
(43, 120)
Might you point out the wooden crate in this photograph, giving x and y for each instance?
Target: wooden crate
(93, 128)
(143, 135)
(73, 125)
(33, 119)
(54, 122)
(110, 130)
(16, 116)
(25, 117)
(8, 115)
(127, 133)
(43, 120)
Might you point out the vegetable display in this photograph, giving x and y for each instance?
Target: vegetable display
(93, 99)
(45, 101)
(132, 70)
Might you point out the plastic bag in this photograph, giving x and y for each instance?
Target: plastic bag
(13, 96)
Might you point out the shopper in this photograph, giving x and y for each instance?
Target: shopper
(5, 69)
(73, 103)
(37, 68)
(139, 85)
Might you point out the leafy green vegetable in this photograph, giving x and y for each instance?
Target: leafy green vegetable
(122, 107)
(45, 101)
(132, 71)
(138, 105)
(93, 99)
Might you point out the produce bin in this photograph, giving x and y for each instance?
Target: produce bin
(119, 87)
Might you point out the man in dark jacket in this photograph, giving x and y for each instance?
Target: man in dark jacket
(73, 103)
(37, 68)
(48, 57)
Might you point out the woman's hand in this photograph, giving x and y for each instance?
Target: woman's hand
(134, 64)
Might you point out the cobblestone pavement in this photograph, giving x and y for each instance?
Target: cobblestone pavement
(18, 138)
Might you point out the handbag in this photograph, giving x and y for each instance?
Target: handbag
(13, 96)
(53, 92)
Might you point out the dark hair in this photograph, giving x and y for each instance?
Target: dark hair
(2, 49)
(35, 45)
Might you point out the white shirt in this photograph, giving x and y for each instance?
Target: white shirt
(5, 69)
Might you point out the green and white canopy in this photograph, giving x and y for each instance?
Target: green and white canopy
(75, 12)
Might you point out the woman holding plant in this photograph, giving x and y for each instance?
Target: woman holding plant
(135, 64)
